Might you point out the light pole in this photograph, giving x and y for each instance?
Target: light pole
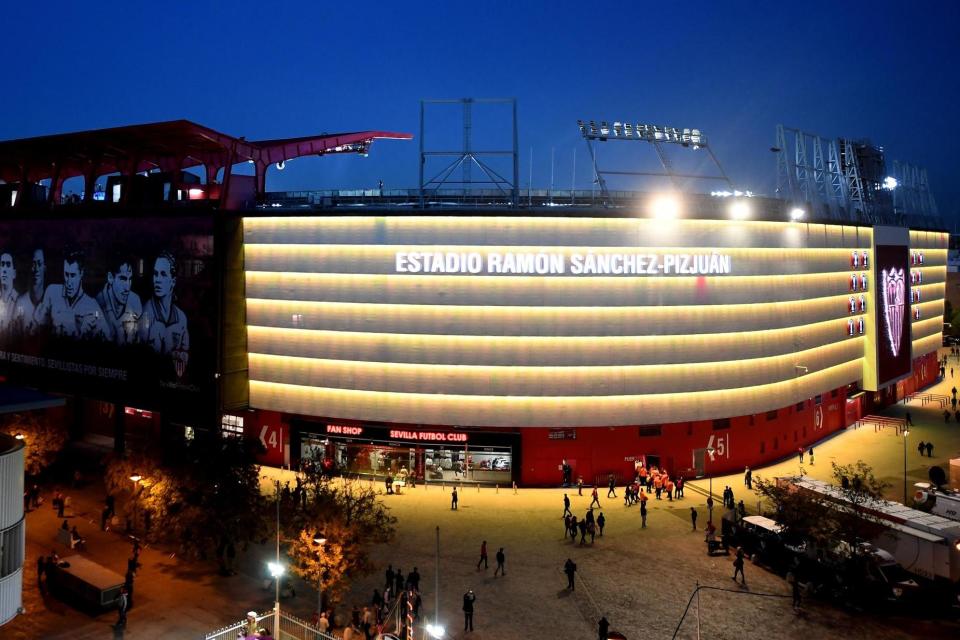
(436, 630)
(905, 434)
(276, 570)
(319, 539)
(136, 478)
(710, 451)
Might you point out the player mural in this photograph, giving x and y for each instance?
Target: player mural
(108, 300)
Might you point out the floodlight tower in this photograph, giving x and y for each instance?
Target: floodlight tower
(656, 136)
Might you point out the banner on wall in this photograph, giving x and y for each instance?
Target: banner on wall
(117, 309)
(894, 344)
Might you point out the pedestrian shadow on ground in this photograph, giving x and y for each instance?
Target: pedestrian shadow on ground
(564, 593)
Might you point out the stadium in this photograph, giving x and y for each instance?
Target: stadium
(496, 339)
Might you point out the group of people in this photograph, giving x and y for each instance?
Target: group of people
(588, 525)
(925, 446)
(501, 560)
(809, 454)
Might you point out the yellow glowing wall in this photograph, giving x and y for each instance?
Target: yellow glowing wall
(334, 329)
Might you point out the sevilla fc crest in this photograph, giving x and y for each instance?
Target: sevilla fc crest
(893, 304)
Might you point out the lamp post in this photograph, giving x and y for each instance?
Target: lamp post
(319, 539)
(436, 630)
(906, 432)
(135, 478)
(710, 451)
(276, 570)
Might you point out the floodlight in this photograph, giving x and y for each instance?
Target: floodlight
(665, 207)
(435, 630)
(319, 538)
(739, 210)
(135, 477)
(19, 436)
(797, 213)
(276, 569)
(890, 183)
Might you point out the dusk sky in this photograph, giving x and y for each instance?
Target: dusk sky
(886, 71)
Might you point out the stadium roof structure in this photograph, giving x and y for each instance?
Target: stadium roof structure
(168, 146)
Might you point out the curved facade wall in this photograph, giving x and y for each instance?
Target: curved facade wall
(12, 532)
(371, 318)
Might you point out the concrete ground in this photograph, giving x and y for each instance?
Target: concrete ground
(641, 579)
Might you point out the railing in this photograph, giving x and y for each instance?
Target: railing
(926, 398)
(291, 628)
(879, 422)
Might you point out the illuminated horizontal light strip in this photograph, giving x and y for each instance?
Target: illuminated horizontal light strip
(591, 291)
(935, 275)
(930, 292)
(547, 381)
(929, 310)
(542, 321)
(353, 259)
(929, 240)
(929, 327)
(516, 411)
(557, 231)
(927, 345)
(539, 350)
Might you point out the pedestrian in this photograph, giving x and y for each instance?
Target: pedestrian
(123, 604)
(579, 485)
(611, 487)
(603, 628)
(573, 528)
(596, 498)
(389, 576)
(748, 478)
(582, 525)
(929, 449)
(570, 568)
(946, 416)
(693, 517)
(453, 499)
(921, 447)
(643, 515)
(501, 558)
(951, 372)
(483, 556)
(566, 506)
(908, 419)
(468, 599)
(738, 566)
(795, 588)
(680, 483)
(954, 392)
(710, 506)
(800, 451)
(809, 453)
(733, 501)
(601, 521)
(742, 510)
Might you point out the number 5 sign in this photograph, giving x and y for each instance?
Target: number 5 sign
(720, 446)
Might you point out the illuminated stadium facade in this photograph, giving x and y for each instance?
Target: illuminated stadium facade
(471, 342)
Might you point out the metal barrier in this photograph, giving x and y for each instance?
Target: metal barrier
(879, 422)
(291, 628)
(926, 398)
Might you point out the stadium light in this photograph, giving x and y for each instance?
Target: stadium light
(739, 210)
(890, 183)
(797, 213)
(435, 630)
(665, 207)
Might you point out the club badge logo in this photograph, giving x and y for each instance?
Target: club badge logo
(893, 306)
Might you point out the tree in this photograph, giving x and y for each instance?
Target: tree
(328, 564)
(43, 438)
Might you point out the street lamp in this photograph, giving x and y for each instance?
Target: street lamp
(276, 570)
(319, 539)
(710, 451)
(906, 432)
(135, 478)
(436, 630)
(19, 436)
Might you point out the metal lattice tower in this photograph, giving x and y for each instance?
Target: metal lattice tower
(820, 183)
(467, 157)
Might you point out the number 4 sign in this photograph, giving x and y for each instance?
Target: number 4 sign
(272, 442)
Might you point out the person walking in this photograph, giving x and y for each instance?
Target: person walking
(643, 515)
(601, 521)
(123, 604)
(741, 510)
(570, 568)
(946, 415)
(748, 478)
(603, 628)
(582, 525)
(738, 566)
(921, 447)
(800, 451)
(809, 453)
(908, 419)
(483, 556)
(680, 483)
(566, 506)
(579, 485)
(611, 487)
(454, 499)
(693, 517)
(501, 558)
(929, 449)
(468, 599)
(954, 392)
(596, 498)
(795, 588)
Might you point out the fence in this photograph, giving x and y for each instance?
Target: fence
(291, 628)
(879, 422)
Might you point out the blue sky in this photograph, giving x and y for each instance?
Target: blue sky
(882, 70)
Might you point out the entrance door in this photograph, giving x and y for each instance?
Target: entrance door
(699, 455)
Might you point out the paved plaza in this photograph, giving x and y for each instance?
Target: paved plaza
(641, 579)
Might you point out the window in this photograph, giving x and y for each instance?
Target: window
(721, 423)
(772, 415)
(231, 426)
(834, 393)
(801, 406)
(818, 400)
(652, 430)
